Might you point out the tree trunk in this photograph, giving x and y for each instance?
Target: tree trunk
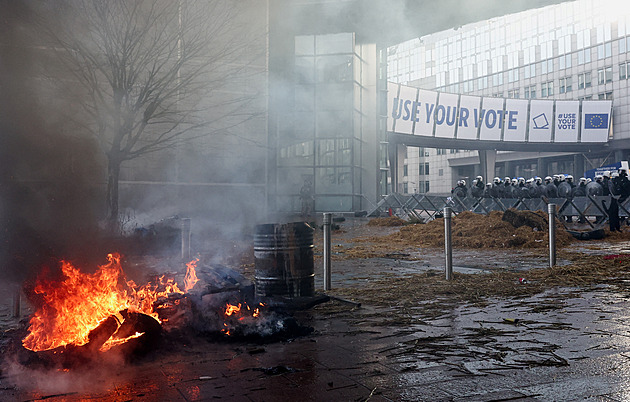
(113, 175)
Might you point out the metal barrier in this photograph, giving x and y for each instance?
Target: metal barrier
(427, 207)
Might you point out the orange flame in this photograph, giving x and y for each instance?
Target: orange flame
(239, 313)
(231, 309)
(78, 304)
(191, 275)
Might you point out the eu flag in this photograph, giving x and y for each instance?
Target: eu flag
(596, 120)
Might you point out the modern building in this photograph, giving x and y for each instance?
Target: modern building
(575, 50)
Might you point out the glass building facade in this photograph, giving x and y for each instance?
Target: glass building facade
(573, 50)
(321, 136)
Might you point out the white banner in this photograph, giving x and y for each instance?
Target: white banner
(424, 122)
(596, 120)
(566, 121)
(540, 120)
(392, 97)
(491, 119)
(515, 120)
(446, 115)
(467, 128)
(403, 108)
(418, 112)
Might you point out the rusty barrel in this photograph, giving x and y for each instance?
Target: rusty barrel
(283, 260)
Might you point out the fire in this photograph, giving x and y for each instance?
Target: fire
(239, 313)
(81, 302)
(231, 309)
(191, 275)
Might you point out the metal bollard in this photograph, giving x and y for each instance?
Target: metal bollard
(327, 250)
(551, 208)
(447, 243)
(17, 302)
(186, 239)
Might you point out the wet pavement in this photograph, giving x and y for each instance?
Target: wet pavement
(561, 345)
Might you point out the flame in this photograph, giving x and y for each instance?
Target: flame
(231, 309)
(115, 342)
(80, 302)
(191, 275)
(240, 312)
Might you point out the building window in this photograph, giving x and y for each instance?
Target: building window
(546, 89)
(604, 75)
(584, 56)
(423, 168)
(497, 79)
(513, 75)
(513, 93)
(584, 80)
(564, 61)
(440, 172)
(604, 50)
(546, 66)
(623, 71)
(529, 71)
(624, 44)
(605, 95)
(405, 170)
(530, 92)
(566, 85)
(441, 151)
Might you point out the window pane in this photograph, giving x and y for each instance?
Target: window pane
(304, 45)
(334, 43)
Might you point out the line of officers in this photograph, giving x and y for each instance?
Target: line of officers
(556, 186)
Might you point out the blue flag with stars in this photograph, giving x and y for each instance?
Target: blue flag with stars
(596, 120)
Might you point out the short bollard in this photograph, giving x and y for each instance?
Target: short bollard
(447, 243)
(551, 208)
(327, 250)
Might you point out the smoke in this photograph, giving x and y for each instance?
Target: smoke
(48, 176)
(101, 375)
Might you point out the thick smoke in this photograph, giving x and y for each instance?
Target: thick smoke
(48, 176)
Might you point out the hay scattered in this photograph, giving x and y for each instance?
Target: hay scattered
(411, 290)
(389, 221)
(468, 230)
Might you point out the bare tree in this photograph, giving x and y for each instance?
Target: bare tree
(143, 67)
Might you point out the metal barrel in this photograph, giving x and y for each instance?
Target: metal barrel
(283, 260)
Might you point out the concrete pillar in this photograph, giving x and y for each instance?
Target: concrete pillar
(619, 156)
(578, 167)
(508, 169)
(487, 160)
(542, 168)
